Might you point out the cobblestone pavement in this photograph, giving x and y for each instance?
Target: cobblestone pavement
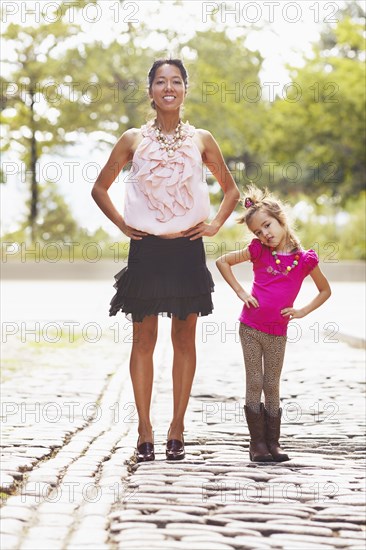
(69, 479)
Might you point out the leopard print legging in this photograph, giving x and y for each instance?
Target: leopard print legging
(263, 358)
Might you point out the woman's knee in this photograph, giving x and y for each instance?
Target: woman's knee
(144, 337)
(184, 333)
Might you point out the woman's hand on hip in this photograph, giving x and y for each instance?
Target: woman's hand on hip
(131, 232)
(201, 230)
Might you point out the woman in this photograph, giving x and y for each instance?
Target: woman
(166, 208)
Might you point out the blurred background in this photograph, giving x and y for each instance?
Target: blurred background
(281, 86)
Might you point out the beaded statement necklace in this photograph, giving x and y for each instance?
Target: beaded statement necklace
(170, 145)
(278, 263)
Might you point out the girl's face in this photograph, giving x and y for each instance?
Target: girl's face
(268, 230)
(167, 89)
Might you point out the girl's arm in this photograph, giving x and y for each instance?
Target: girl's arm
(121, 153)
(212, 157)
(224, 266)
(324, 292)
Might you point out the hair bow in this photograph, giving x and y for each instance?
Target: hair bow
(248, 202)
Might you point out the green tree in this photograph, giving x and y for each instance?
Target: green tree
(109, 86)
(55, 221)
(321, 127)
(29, 113)
(225, 95)
(57, 226)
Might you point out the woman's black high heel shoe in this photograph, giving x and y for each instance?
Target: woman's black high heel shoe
(145, 452)
(175, 449)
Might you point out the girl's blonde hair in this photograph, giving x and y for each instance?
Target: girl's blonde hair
(257, 200)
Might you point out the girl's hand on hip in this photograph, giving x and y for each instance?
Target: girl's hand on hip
(248, 299)
(132, 233)
(200, 230)
(292, 313)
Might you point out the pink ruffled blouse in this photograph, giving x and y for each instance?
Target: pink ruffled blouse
(275, 289)
(166, 195)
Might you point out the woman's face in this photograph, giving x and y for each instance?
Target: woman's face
(168, 89)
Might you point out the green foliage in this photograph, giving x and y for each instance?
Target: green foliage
(353, 235)
(314, 143)
(33, 78)
(57, 226)
(323, 131)
(224, 77)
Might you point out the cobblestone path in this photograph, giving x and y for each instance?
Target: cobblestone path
(69, 480)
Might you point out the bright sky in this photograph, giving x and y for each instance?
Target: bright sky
(290, 27)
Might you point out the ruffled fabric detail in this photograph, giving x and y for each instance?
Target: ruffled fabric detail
(135, 284)
(163, 277)
(166, 181)
(138, 296)
(311, 260)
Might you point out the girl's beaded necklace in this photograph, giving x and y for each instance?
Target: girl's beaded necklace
(289, 267)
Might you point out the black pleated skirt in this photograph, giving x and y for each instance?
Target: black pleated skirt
(166, 277)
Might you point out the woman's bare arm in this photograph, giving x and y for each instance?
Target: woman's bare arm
(121, 154)
(212, 157)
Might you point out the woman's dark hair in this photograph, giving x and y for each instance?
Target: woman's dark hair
(158, 63)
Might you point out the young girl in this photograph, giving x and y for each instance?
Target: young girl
(280, 265)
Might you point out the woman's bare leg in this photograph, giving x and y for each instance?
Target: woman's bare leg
(184, 367)
(142, 372)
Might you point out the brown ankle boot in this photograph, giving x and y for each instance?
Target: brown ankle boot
(258, 450)
(273, 426)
